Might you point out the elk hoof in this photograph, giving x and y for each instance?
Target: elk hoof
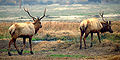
(80, 47)
(9, 54)
(85, 48)
(20, 53)
(90, 45)
(21, 50)
(31, 52)
(99, 41)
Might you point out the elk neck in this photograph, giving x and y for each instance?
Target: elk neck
(104, 29)
(37, 26)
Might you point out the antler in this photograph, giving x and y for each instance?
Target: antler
(26, 10)
(101, 15)
(44, 14)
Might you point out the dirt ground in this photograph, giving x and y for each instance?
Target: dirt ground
(105, 50)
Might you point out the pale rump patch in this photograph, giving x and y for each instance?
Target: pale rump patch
(91, 24)
(83, 24)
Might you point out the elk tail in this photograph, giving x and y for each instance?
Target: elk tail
(83, 28)
(12, 30)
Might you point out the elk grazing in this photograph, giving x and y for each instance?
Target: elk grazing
(24, 30)
(93, 25)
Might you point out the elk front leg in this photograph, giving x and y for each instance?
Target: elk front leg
(24, 41)
(30, 45)
(86, 34)
(91, 39)
(10, 42)
(99, 37)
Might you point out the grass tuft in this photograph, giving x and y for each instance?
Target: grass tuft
(73, 56)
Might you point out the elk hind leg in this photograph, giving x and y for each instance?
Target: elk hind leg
(10, 42)
(86, 34)
(14, 40)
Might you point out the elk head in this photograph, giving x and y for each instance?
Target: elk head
(106, 24)
(37, 23)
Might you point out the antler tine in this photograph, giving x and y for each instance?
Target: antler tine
(101, 14)
(26, 10)
(44, 14)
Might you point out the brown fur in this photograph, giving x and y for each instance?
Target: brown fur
(24, 30)
(93, 26)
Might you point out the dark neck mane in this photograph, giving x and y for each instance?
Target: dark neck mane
(104, 27)
(36, 27)
(36, 30)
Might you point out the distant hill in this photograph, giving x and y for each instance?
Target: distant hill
(62, 2)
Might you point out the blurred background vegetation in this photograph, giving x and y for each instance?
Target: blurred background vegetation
(62, 2)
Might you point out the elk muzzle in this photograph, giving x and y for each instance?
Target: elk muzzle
(40, 26)
(110, 30)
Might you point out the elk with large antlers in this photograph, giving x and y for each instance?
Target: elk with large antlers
(24, 30)
(93, 25)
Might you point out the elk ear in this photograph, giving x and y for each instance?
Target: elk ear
(109, 22)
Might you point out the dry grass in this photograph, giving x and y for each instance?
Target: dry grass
(116, 26)
(59, 28)
(55, 29)
(116, 57)
(4, 29)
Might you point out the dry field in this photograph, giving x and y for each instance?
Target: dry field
(52, 28)
(108, 49)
